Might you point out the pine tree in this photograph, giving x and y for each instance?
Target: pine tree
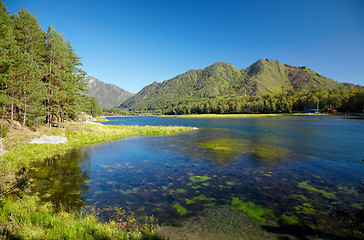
(63, 77)
(40, 75)
(29, 35)
(30, 40)
(8, 61)
(72, 84)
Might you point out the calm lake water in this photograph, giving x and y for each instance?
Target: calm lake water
(296, 176)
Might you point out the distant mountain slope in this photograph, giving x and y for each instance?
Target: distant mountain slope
(268, 76)
(106, 95)
(223, 79)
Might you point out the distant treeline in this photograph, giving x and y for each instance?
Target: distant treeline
(40, 72)
(351, 101)
(344, 101)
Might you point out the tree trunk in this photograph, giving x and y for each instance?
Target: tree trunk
(59, 119)
(25, 113)
(12, 114)
(2, 116)
(25, 107)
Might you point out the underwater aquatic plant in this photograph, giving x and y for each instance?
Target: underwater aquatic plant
(251, 209)
(189, 201)
(288, 219)
(222, 144)
(181, 210)
(203, 198)
(310, 188)
(305, 208)
(196, 179)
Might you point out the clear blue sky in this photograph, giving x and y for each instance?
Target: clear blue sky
(134, 43)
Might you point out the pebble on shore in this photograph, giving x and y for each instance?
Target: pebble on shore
(2, 148)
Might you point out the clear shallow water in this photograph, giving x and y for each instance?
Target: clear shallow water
(281, 172)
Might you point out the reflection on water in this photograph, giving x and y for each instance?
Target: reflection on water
(274, 172)
(62, 180)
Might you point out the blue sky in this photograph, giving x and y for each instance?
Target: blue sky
(134, 43)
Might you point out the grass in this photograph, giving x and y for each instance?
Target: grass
(29, 218)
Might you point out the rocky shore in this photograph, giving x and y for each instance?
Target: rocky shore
(50, 139)
(2, 148)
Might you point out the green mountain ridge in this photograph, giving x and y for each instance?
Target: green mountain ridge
(106, 95)
(223, 79)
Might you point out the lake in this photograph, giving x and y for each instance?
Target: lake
(232, 178)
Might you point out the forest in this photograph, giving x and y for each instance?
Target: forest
(40, 74)
(343, 101)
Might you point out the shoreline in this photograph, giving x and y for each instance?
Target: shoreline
(231, 115)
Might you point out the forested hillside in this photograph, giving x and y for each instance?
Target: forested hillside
(106, 95)
(40, 72)
(221, 81)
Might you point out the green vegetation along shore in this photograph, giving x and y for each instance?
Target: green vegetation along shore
(23, 216)
(230, 115)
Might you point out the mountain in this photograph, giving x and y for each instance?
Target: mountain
(270, 77)
(224, 79)
(106, 95)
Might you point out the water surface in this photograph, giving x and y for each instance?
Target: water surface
(294, 175)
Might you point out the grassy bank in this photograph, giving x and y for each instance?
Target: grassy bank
(26, 217)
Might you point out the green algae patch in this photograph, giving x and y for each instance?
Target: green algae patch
(288, 219)
(306, 209)
(180, 190)
(209, 204)
(251, 209)
(189, 201)
(224, 150)
(268, 152)
(308, 187)
(181, 210)
(196, 179)
(221, 144)
(230, 183)
(129, 191)
(236, 204)
(203, 198)
(299, 197)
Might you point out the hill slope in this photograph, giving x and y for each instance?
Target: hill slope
(269, 77)
(223, 79)
(106, 95)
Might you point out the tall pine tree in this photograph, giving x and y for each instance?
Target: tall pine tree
(30, 39)
(40, 75)
(9, 53)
